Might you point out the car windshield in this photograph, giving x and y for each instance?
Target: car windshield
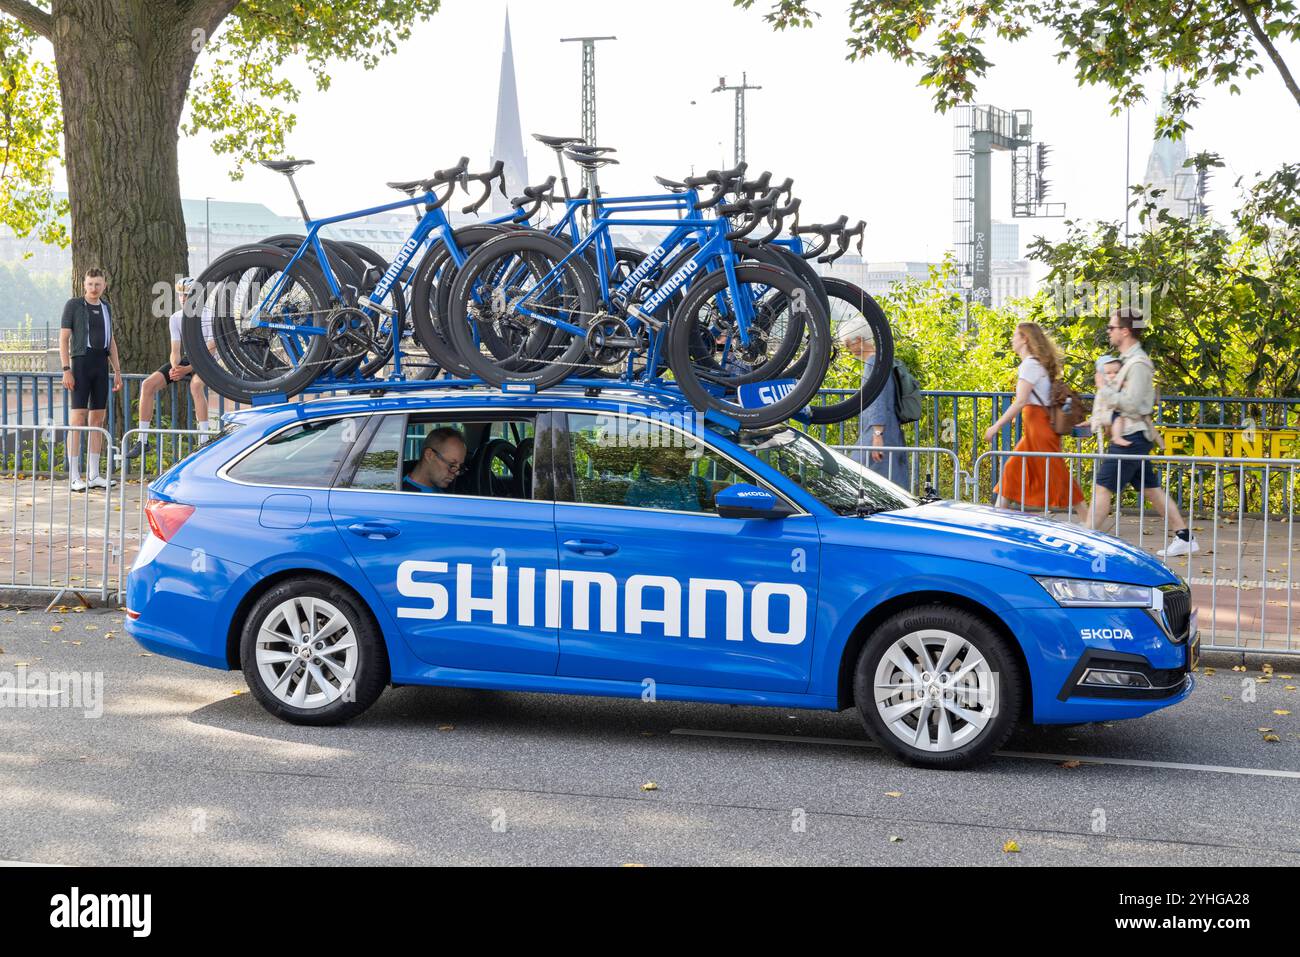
(836, 480)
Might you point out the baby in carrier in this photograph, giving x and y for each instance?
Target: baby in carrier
(1104, 417)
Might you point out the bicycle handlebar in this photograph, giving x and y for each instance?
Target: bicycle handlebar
(536, 196)
(845, 236)
(497, 173)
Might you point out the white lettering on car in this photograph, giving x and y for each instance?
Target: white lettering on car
(642, 599)
(1106, 634)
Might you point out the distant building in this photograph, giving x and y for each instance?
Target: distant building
(1006, 242)
(1184, 187)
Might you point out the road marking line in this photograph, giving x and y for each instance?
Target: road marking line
(1027, 755)
(26, 864)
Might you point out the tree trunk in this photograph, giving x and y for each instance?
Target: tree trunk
(124, 67)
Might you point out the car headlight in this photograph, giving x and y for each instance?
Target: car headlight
(1084, 593)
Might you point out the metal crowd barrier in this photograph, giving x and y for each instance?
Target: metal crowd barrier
(1242, 512)
(926, 469)
(62, 536)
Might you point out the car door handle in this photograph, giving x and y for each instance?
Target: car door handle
(590, 546)
(375, 531)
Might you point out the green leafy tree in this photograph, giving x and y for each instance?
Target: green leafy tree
(1220, 302)
(1113, 43)
(114, 79)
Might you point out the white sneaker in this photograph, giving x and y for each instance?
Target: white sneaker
(100, 482)
(77, 485)
(1178, 546)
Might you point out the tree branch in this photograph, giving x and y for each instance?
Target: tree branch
(1253, 22)
(29, 15)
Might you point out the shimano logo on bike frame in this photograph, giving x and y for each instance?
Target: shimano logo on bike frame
(396, 266)
(664, 292)
(776, 613)
(652, 260)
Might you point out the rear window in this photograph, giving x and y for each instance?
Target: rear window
(308, 454)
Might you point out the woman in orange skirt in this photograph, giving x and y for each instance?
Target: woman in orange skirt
(1036, 482)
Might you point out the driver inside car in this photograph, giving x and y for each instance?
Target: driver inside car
(442, 458)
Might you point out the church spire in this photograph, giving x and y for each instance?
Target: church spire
(508, 144)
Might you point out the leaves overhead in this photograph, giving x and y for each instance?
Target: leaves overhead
(1111, 43)
(241, 91)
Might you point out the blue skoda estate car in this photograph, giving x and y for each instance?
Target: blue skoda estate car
(613, 543)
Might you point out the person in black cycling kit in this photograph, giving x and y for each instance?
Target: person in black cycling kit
(88, 351)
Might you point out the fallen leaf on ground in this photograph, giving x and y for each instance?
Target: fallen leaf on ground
(649, 786)
(1271, 738)
(1011, 847)
(895, 839)
(1281, 711)
(893, 794)
(1070, 765)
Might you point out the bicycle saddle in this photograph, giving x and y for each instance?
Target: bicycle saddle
(590, 162)
(288, 167)
(592, 150)
(557, 142)
(413, 186)
(671, 184)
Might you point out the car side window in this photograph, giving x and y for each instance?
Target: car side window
(632, 462)
(378, 468)
(498, 456)
(304, 455)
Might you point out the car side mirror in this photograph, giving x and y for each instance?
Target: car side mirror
(750, 501)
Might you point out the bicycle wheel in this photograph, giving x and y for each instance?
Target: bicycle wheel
(431, 289)
(244, 359)
(848, 302)
(710, 305)
(501, 302)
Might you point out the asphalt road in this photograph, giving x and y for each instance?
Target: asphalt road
(183, 768)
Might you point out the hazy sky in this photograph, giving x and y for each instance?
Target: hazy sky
(859, 138)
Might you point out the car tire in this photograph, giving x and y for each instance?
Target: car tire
(968, 689)
(332, 677)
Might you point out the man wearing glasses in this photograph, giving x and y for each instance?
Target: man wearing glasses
(441, 460)
(1132, 395)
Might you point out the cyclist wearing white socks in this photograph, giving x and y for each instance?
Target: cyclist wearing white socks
(176, 369)
(88, 351)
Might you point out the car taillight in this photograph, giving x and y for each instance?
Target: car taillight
(166, 518)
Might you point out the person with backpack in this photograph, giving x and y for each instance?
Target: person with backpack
(881, 422)
(1041, 400)
(1131, 396)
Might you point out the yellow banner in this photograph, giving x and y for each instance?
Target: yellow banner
(1231, 443)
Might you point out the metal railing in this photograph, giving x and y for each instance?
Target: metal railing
(62, 535)
(921, 470)
(1247, 507)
